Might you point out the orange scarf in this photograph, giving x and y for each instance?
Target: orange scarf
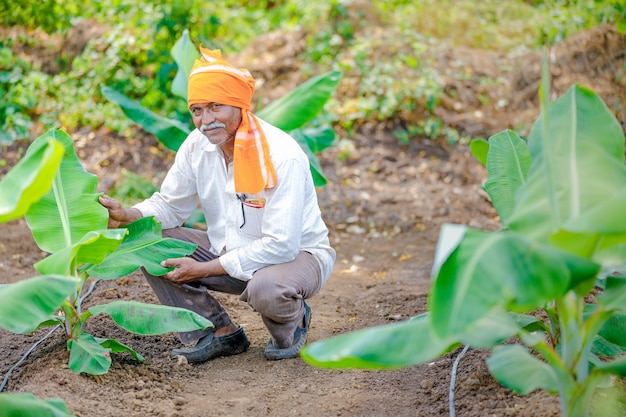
(212, 79)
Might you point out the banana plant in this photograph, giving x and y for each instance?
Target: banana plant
(22, 186)
(290, 113)
(560, 196)
(69, 224)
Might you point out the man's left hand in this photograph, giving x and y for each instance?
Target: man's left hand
(188, 269)
(185, 270)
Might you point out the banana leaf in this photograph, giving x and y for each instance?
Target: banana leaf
(301, 105)
(30, 178)
(143, 246)
(488, 270)
(508, 162)
(71, 208)
(382, 347)
(88, 356)
(116, 346)
(91, 249)
(313, 141)
(480, 148)
(577, 180)
(520, 371)
(25, 304)
(184, 53)
(170, 132)
(150, 319)
(26, 404)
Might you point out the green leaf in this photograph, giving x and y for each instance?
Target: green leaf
(494, 328)
(518, 370)
(614, 330)
(615, 367)
(577, 181)
(170, 132)
(86, 355)
(149, 319)
(30, 178)
(116, 347)
(184, 53)
(508, 162)
(143, 246)
(20, 404)
(383, 347)
(480, 148)
(499, 269)
(314, 164)
(302, 104)
(71, 208)
(529, 323)
(90, 249)
(614, 295)
(603, 347)
(319, 138)
(27, 303)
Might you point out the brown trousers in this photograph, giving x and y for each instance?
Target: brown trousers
(276, 292)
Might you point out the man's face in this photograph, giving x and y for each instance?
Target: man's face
(218, 122)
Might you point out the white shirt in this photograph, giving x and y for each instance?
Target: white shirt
(290, 222)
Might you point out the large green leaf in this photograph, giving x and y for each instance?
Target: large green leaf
(501, 269)
(86, 355)
(301, 105)
(383, 347)
(144, 246)
(26, 404)
(518, 370)
(71, 208)
(577, 180)
(90, 249)
(30, 178)
(508, 162)
(494, 328)
(27, 303)
(184, 53)
(170, 132)
(149, 319)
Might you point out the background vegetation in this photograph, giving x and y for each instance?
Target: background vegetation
(133, 56)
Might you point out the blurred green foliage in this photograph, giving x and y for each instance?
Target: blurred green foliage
(133, 55)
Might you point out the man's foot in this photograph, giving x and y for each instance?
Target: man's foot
(299, 340)
(210, 347)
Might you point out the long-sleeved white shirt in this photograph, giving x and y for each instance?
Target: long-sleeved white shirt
(246, 238)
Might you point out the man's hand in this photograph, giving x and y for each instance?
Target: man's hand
(188, 269)
(118, 215)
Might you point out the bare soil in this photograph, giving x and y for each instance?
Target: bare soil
(384, 207)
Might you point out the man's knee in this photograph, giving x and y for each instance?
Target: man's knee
(269, 297)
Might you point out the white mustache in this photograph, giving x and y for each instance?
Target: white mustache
(213, 125)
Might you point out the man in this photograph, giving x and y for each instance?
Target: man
(265, 239)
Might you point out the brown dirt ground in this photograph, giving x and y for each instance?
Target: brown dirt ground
(384, 207)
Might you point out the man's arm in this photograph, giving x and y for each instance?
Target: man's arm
(118, 215)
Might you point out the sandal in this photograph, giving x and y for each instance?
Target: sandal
(299, 340)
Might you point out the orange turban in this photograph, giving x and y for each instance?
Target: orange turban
(212, 79)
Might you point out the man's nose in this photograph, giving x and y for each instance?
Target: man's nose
(207, 117)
